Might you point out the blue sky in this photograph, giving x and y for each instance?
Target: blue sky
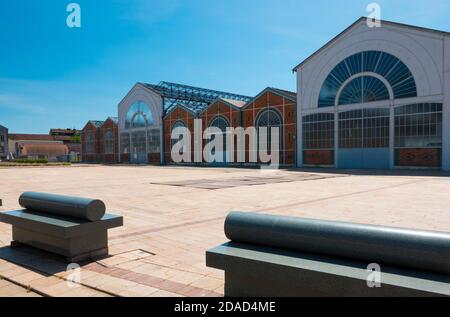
(53, 76)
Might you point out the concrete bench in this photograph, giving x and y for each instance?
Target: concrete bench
(73, 227)
(271, 256)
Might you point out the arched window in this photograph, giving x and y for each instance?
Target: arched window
(270, 118)
(367, 87)
(108, 140)
(139, 116)
(220, 122)
(138, 121)
(90, 142)
(363, 89)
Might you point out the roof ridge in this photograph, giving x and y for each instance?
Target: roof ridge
(332, 40)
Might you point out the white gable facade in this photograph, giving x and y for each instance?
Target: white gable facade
(376, 98)
(140, 126)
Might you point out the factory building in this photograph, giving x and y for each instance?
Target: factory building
(376, 98)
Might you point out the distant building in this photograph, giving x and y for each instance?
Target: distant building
(71, 138)
(37, 146)
(4, 152)
(65, 132)
(90, 141)
(100, 141)
(52, 151)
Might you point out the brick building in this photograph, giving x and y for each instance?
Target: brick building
(100, 141)
(4, 151)
(90, 142)
(376, 98)
(150, 113)
(274, 108)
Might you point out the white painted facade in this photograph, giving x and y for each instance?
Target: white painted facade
(425, 52)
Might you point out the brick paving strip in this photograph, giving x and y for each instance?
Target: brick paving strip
(35, 279)
(15, 270)
(10, 288)
(152, 281)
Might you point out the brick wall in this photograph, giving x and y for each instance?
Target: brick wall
(318, 157)
(90, 157)
(287, 109)
(229, 113)
(418, 157)
(109, 158)
(178, 114)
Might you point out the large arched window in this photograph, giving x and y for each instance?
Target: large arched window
(270, 118)
(139, 116)
(363, 77)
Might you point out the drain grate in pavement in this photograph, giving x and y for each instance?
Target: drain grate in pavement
(215, 184)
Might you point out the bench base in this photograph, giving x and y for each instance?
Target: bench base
(74, 249)
(252, 271)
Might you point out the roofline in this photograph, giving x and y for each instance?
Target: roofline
(223, 101)
(179, 105)
(272, 90)
(334, 39)
(111, 119)
(143, 85)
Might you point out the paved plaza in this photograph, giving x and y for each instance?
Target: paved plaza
(173, 215)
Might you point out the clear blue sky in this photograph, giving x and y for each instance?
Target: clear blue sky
(53, 76)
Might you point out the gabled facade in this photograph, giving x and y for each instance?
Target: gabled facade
(274, 108)
(90, 142)
(223, 114)
(178, 116)
(376, 98)
(109, 141)
(100, 141)
(140, 126)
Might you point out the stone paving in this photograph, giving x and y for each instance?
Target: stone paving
(170, 222)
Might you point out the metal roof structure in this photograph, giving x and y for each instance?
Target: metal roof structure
(97, 123)
(193, 98)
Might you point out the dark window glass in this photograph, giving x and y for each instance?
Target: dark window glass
(318, 131)
(418, 126)
(108, 140)
(125, 143)
(368, 128)
(270, 118)
(395, 71)
(90, 142)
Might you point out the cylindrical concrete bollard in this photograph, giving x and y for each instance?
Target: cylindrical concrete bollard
(67, 206)
(424, 250)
